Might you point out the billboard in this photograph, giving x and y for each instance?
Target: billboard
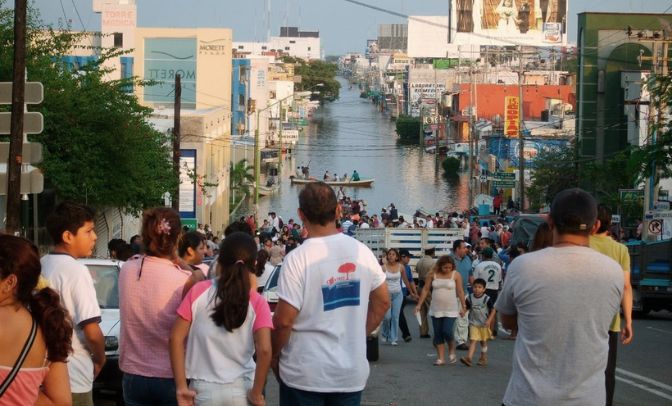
(165, 58)
(422, 92)
(474, 23)
(511, 116)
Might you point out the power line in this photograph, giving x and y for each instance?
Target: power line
(78, 16)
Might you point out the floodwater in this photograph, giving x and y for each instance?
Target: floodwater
(351, 134)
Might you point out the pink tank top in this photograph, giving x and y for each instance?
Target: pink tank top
(25, 388)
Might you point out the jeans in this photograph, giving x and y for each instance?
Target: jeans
(610, 372)
(296, 397)
(403, 324)
(391, 320)
(221, 394)
(142, 390)
(443, 329)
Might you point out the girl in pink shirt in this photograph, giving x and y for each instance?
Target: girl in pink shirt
(151, 288)
(225, 322)
(35, 328)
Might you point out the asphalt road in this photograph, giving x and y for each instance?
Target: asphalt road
(404, 375)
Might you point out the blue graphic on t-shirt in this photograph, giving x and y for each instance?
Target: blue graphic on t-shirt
(340, 294)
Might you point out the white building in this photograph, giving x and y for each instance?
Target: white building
(299, 44)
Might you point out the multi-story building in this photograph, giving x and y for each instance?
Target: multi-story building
(292, 42)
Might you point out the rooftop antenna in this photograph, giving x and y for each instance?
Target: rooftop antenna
(268, 20)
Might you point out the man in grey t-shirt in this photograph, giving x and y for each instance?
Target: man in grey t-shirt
(561, 300)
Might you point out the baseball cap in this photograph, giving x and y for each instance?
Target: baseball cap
(403, 252)
(574, 211)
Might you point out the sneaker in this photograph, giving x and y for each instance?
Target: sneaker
(439, 363)
(463, 347)
(394, 343)
(452, 359)
(408, 338)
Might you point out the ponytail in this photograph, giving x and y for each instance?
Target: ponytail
(55, 323)
(236, 261)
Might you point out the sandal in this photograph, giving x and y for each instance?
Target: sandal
(466, 361)
(452, 360)
(439, 363)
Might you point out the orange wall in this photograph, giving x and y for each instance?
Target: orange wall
(490, 98)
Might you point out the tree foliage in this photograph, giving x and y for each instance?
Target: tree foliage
(559, 169)
(98, 146)
(241, 177)
(408, 128)
(314, 72)
(657, 154)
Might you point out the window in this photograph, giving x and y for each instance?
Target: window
(264, 47)
(241, 46)
(292, 42)
(241, 100)
(309, 48)
(286, 48)
(118, 40)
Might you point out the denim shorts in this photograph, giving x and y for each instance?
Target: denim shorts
(443, 329)
(296, 397)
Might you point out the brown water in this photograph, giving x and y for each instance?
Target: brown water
(351, 134)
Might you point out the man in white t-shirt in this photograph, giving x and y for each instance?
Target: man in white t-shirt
(331, 296)
(72, 230)
(561, 300)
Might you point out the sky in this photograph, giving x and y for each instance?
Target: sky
(344, 26)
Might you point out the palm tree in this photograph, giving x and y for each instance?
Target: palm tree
(241, 177)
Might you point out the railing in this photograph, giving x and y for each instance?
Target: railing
(414, 240)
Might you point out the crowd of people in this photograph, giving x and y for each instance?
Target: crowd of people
(198, 334)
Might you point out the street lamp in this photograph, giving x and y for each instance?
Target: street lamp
(257, 152)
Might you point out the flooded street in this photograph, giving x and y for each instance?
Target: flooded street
(351, 134)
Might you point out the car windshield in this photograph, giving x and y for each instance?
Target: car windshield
(106, 281)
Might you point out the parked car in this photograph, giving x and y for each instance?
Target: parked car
(105, 275)
(270, 293)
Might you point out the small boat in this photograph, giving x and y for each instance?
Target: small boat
(351, 183)
(268, 190)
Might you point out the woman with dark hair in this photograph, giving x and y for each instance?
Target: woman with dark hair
(224, 323)
(447, 303)
(394, 274)
(192, 249)
(36, 333)
(150, 290)
(543, 237)
(262, 269)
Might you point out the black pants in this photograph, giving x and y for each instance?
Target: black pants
(403, 326)
(610, 372)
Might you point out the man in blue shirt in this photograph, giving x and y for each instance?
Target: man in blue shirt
(463, 264)
(405, 256)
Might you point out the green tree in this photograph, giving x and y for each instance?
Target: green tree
(559, 169)
(241, 177)
(408, 128)
(98, 146)
(657, 154)
(313, 73)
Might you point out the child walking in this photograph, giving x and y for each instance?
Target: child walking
(481, 318)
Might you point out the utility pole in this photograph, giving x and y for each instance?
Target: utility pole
(521, 139)
(421, 135)
(257, 159)
(280, 137)
(16, 124)
(175, 201)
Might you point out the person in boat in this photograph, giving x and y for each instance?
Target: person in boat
(326, 176)
(355, 176)
(335, 176)
(345, 177)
